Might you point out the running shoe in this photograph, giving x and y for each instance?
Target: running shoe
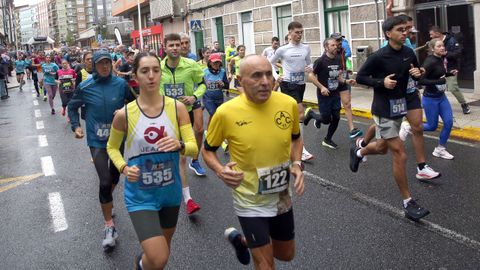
(355, 132)
(309, 115)
(235, 238)
(306, 155)
(317, 123)
(63, 111)
(109, 238)
(441, 152)
(45, 98)
(414, 211)
(197, 168)
(405, 130)
(465, 108)
(354, 159)
(329, 143)
(53, 111)
(426, 173)
(38, 95)
(192, 207)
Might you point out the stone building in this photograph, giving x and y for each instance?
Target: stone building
(254, 22)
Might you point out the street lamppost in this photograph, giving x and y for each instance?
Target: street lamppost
(140, 24)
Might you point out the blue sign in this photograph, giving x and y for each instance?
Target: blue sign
(196, 25)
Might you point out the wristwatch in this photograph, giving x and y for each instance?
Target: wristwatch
(300, 164)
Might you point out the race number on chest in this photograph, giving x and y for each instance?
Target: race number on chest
(273, 179)
(174, 90)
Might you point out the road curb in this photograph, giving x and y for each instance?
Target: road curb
(466, 133)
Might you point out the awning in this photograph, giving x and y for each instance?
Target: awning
(38, 40)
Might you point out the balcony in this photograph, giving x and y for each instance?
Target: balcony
(125, 7)
(160, 9)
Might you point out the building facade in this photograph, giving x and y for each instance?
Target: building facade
(42, 15)
(27, 23)
(254, 22)
(7, 32)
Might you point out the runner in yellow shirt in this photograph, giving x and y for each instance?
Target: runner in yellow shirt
(263, 132)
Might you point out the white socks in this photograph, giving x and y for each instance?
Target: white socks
(406, 201)
(186, 194)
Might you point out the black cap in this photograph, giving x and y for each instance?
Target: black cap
(337, 36)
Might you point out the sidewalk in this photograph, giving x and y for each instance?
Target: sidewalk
(465, 126)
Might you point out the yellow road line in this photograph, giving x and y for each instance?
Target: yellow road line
(17, 181)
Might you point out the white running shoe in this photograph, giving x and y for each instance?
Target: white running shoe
(405, 129)
(306, 155)
(109, 238)
(442, 152)
(426, 173)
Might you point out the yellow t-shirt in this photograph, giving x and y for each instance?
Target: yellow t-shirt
(259, 136)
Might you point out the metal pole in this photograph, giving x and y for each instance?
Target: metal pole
(140, 24)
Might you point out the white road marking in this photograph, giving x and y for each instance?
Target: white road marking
(38, 113)
(40, 125)
(57, 212)
(42, 140)
(34, 95)
(450, 140)
(35, 103)
(396, 212)
(47, 166)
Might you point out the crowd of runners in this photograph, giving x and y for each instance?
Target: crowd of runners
(143, 118)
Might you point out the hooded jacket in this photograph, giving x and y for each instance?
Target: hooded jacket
(102, 96)
(454, 49)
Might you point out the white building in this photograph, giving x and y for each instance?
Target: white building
(28, 20)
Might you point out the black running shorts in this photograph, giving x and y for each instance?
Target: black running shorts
(413, 101)
(259, 230)
(294, 90)
(148, 224)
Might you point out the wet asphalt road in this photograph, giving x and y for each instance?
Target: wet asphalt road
(344, 220)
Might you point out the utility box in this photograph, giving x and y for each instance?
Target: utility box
(362, 54)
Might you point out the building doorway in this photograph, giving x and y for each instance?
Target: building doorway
(455, 17)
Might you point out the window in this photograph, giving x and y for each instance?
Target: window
(335, 3)
(336, 17)
(284, 17)
(247, 32)
(80, 10)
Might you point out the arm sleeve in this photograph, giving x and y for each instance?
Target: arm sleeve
(424, 80)
(113, 148)
(73, 105)
(198, 78)
(186, 133)
(364, 74)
